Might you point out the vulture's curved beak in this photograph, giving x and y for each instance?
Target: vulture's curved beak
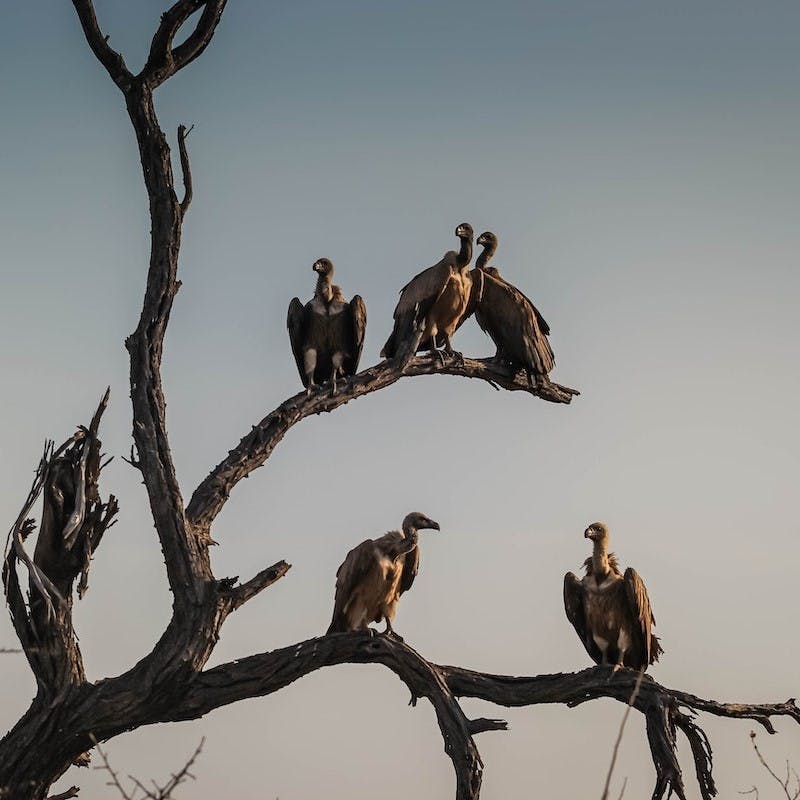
(587, 533)
(434, 526)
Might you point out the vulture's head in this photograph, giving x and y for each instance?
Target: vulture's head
(416, 521)
(464, 231)
(597, 532)
(324, 266)
(487, 239)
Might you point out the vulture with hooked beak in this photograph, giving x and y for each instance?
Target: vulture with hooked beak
(436, 300)
(374, 575)
(515, 325)
(610, 611)
(327, 333)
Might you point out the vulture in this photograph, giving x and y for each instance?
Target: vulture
(435, 300)
(515, 325)
(610, 611)
(374, 575)
(327, 333)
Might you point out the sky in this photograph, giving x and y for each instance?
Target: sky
(638, 162)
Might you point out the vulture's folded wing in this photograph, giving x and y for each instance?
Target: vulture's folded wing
(358, 315)
(424, 289)
(355, 567)
(410, 570)
(296, 323)
(642, 613)
(512, 321)
(573, 605)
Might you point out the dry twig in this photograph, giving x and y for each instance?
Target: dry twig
(163, 792)
(791, 791)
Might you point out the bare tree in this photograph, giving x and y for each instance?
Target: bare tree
(70, 714)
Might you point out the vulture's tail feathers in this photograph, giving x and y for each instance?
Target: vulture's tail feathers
(655, 648)
(338, 624)
(404, 329)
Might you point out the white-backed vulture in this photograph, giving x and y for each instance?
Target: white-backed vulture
(327, 333)
(436, 300)
(515, 325)
(610, 611)
(374, 575)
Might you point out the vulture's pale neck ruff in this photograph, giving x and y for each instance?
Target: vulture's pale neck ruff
(601, 565)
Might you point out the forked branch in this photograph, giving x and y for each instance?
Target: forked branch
(164, 59)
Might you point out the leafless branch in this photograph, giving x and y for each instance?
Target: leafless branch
(164, 60)
(106, 55)
(71, 792)
(266, 673)
(256, 446)
(158, 792)
(241, 594)
(791, 792)
(185, 168)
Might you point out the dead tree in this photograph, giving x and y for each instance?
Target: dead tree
(70, 714)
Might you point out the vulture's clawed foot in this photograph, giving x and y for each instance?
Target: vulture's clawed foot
(458, 358)
(439, 355)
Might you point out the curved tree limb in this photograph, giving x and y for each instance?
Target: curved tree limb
(185, 168)
(260, 675)
(106, 55)
(257, 446)
(664, 709)
(266, 673)
(164, 60)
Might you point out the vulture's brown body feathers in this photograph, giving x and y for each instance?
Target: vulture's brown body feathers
(327, 333)
(436, 299)
(611, 611)
(374, 575)
(515, 325)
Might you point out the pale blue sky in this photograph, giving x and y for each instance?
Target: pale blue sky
(638, 162)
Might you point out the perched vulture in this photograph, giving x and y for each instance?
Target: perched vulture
(436, 300)
(327, 333)
(374, 575)
(517, 328)
(611, 611)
